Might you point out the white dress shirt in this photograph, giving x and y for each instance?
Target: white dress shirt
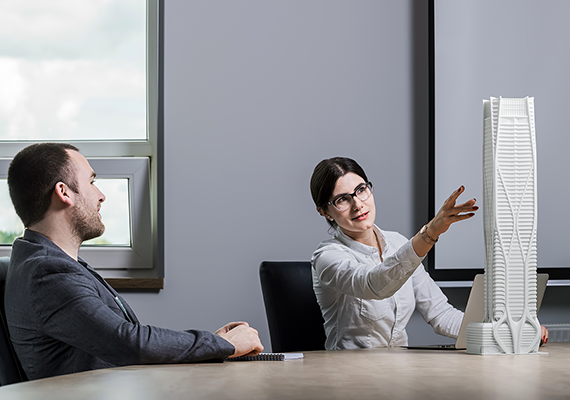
(366, 302)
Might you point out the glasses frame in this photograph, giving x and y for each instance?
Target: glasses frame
(353, 195)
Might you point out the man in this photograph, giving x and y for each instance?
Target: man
(61, 314)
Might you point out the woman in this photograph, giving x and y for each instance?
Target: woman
(367, 280)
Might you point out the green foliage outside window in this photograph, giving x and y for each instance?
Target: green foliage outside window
(8, 237)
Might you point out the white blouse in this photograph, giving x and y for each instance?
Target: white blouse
(366, 302)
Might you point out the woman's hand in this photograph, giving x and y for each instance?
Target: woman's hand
(450, 213)
(544, 335)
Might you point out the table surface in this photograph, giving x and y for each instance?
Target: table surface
(389, 373)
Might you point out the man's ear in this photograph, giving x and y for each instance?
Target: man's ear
(63, 193)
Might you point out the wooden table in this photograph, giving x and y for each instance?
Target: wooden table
(348, 374)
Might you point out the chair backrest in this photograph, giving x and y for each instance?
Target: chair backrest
(293, 314)
(10, 368)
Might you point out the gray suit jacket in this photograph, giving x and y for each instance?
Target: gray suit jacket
(64, 318)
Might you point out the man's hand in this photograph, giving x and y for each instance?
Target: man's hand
(244, 338)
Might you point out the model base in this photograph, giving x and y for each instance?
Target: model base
(482, 341)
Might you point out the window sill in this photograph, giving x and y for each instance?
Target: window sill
(136, 283)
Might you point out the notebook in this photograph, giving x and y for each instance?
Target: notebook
(475, 311)
(269, 357)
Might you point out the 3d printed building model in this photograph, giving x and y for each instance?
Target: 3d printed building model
(510, 325)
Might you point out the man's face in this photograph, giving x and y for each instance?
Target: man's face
(87, 223)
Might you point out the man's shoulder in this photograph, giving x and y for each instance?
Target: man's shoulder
(30, 255)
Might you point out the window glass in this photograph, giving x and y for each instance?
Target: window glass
(10, 225)
(86, 72)
(73, 70)
(114, 211)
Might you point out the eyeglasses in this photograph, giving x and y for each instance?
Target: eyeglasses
(342, 202)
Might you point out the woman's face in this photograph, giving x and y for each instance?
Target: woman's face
(360, 216)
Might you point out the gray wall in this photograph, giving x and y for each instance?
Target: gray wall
(256, 94)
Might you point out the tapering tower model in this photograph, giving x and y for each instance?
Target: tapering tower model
(510, 325)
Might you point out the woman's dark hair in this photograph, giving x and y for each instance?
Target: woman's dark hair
(32, 176)
(325, 175)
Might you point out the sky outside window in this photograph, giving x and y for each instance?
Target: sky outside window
(72, 69)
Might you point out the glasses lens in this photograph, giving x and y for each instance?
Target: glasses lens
(363, 192)
(342, 203)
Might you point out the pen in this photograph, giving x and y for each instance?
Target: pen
(118, 301)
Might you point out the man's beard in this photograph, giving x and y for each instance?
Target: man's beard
(86, 224)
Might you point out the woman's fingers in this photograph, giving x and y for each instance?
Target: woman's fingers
(466, 207)
(453, 197)
(461, 217)
(442, 223)
(468, 203)
(451, 213)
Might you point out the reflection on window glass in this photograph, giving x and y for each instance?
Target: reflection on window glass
(72, 70)
(115, 212)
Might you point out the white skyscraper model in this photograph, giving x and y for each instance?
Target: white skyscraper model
(510, 325)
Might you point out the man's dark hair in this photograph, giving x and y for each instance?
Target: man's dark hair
(32, 177)
(325, 175)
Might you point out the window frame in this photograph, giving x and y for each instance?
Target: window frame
(143, 261)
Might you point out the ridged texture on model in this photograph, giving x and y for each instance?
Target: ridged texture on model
(509, 219)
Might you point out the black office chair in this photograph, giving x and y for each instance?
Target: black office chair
(10, 368)
(293, 314)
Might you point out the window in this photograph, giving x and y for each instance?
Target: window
(117, 221)
(86, 73)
